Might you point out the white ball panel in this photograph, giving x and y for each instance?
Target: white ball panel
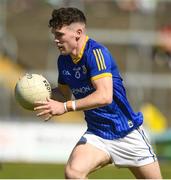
(30, 88)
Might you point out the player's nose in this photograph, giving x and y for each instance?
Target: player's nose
(56, 40)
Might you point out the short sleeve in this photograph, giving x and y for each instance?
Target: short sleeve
(99, 63)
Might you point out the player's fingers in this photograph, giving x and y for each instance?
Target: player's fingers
(41, 107)
(48, 99)
(48, 118)
(43, 113)
(37, 103)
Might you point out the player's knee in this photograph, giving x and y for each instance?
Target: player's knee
(73, 173)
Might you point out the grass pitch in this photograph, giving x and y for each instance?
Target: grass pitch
(55, 171)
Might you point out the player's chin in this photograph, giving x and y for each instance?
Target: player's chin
(64, 53)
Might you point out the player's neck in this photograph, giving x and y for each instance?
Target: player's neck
(81, 43)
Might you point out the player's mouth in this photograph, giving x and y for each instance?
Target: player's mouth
(61, 49)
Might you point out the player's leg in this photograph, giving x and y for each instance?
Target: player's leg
(149, 171)
(84, 159)
(135, 152)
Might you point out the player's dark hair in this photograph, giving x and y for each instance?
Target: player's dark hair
(66, 16)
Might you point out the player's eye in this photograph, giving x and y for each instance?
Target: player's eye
(58, 35)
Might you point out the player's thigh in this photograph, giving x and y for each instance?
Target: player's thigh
(149, 171)
(86, 158)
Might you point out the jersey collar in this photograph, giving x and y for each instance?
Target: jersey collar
(76, 59)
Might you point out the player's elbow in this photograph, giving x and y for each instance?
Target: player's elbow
(106, 99)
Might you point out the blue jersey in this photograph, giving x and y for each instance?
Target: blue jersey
(112, 121)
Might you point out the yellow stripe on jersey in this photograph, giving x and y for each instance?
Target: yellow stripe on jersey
(102, 58)
(99, 59)
(101, 76)
(98, 65)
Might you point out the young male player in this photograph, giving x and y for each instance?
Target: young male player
(88, 70)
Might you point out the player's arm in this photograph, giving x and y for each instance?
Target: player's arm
(102, 96)
(61, 93)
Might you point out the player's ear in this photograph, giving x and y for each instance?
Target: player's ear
(78, 34)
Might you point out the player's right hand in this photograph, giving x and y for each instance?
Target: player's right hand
(49, 108)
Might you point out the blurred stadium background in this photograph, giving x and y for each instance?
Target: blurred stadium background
(137, 32)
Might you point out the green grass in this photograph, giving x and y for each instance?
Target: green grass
(55, 171)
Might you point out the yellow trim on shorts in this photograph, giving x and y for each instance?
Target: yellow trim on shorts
(101, 76)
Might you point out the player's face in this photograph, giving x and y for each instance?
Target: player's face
(65, 39)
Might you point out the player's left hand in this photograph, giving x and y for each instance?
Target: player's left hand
(49, 108)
